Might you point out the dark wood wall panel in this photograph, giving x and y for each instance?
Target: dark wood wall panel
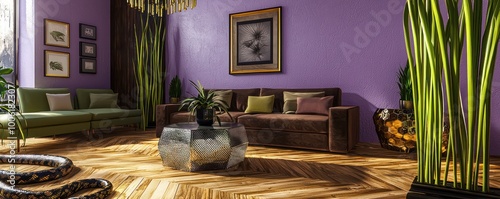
(123, 19)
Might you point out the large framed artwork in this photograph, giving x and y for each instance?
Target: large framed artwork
(255, 41)
(56, 64)
(56, 33)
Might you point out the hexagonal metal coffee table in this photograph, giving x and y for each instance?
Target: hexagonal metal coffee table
(189, 147)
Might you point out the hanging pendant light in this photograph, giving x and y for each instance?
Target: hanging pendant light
(157, 7)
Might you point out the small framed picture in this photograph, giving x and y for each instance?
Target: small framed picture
(88, 49)
(88, 32)
(88, 65)
(56, 33)
(56, 64)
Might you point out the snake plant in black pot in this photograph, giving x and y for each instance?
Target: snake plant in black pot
(175, 90)
(405, 88)
(205, 106)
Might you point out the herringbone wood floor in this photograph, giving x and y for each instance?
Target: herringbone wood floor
(130, 160)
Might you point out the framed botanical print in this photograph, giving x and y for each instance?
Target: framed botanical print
(56, 64)
(56, 33)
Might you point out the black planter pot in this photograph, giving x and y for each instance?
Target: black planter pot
(405, 104)
(428, 191)
(205, 117)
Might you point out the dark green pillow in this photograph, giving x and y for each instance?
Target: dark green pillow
(103, 100)
(225, 95)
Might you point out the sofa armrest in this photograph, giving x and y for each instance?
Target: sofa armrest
(343, 124)
(163, 112)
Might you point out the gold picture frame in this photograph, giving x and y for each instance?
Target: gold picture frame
(255, 41)
(56, 33)
(56, 64)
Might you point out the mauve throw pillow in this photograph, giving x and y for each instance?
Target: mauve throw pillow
(290, 99)
(59, 102)
(314, 105)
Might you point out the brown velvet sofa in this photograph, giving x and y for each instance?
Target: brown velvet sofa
(337, 132)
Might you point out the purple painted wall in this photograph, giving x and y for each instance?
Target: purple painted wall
(92, 12)
(356, 45)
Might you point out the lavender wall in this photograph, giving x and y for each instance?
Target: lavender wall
(92, 12)
(356, 45)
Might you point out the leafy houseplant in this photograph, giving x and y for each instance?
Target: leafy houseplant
(8, 104)
(434, 49)
(4, 85)
(405, 88)
(175, 90)
(204, 104)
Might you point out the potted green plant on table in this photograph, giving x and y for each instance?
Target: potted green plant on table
(204, 105)
(175, 90)
(405, 88)
(434, 49)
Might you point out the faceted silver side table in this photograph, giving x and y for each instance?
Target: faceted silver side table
(189, 147)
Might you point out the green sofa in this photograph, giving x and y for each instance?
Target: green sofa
(39, 121)
(105, 117)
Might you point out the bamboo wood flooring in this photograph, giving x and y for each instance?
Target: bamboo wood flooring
(130, 160)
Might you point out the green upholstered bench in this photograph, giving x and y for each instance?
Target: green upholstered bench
(105, 117)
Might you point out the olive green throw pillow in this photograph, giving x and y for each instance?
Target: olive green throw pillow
(225, 95)
(103, 100)
(260, 104)
(290, 99)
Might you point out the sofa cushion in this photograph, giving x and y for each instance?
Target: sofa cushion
(59, 102)
(35, 99)
(103, 100)
(286, 122)
(279, 101)
(260, 104)
(226, 96)
(290, 99)
(314, 105)
(83, 96)
(111, 113)
(53, 118)
(178, 117)
(240, 97)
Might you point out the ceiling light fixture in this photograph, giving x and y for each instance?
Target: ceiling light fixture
(156, 7)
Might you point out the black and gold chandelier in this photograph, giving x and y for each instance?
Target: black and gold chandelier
(157, 7)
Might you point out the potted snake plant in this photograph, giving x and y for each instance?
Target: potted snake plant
(405, 88)
(205, 105)
(175, 90)
(434, 47)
